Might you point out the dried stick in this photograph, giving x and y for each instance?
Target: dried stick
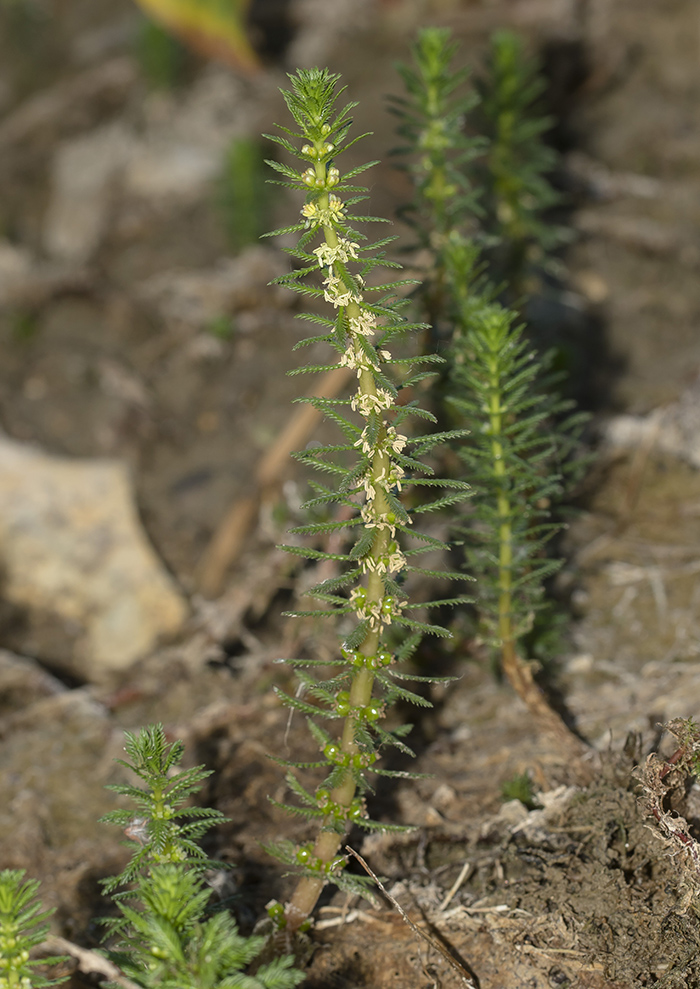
(468, 979)
(89, 962)
(229, 536)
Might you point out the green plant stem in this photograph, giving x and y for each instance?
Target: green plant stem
(516, 670)
(359, 333)
(505, 534)
(328, 842)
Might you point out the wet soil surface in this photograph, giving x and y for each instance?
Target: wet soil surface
(133, 331)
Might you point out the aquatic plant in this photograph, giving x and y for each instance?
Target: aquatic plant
(242, 199)
(167, 934)
(521, 433)
(439, 155)
(373, 464)
(23, 927)
(515, 175)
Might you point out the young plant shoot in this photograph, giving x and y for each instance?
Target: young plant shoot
(515, 461)
(515, 173)
(520, 432)
(22, 927)
(168, 935)
(439, 157)
(372, 465)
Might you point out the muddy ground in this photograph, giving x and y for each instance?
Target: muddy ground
(131, 330)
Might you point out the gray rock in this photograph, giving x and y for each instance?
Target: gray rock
(194, 299)
(22, 682)
(182, 143)
(673, 429)
(78, 569)
(84, 175)
(26, 282)
(55, 763)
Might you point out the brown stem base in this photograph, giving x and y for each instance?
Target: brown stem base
(519, 674)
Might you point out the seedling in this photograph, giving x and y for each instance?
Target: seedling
(23, 927)
(168, 934)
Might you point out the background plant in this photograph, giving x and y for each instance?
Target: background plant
(162, 58)
(167, 933)
(243, 200)
(23, 927)
(516, 462)
(439, 155)
(371, 466)
(515, 175)
(521, 432)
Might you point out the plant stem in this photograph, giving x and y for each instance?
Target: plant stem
(328, 842)
(517, 671)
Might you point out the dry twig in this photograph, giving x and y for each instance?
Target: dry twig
(229, 536)
(468, 978)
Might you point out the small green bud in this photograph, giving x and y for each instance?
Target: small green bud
(356, 810)
(304, 855)
(323, 797)
(361, 760)
(373, 711)
(332, 752)
(275, 912)
(309, 151)
(342, 703)
(309, 177)
(385, 658)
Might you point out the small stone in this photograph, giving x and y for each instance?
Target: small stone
(22, 682)
(92, 595)
(433, 818)
(196, 299)
(84, 172)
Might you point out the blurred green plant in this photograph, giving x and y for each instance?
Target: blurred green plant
(24, 325)
(162, 58)
(243, 201)
(519, 787)
(517, 193)
(521, 433)
(222, 327)
(23, 927)
(439, 156)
